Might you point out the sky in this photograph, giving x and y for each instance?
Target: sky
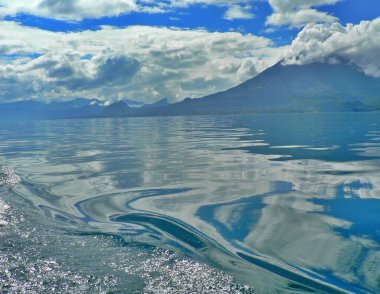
(148, 50)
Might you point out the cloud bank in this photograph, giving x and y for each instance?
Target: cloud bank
(76, 10)
(138, 62)
(68, 9)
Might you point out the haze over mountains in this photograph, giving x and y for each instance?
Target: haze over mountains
(316, 87)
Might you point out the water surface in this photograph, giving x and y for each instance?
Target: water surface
(279, 203)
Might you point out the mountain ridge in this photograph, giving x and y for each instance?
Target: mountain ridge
(315, 87)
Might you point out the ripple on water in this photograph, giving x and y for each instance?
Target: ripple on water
(37, 256)
(285, 196)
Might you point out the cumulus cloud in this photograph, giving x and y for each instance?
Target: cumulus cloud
(289, 5)
(109, 69)
(186, 3)
(359, 44)
(298, 13)
(139, 62)
(300, 18)
(239, 12)
(75, 10)
(68, 9)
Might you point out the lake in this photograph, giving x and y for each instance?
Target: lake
(272, 203)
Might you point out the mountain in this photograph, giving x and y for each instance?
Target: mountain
(31, 109)
(316, 87)
(130, 102)
(159, 103)
(116, 109)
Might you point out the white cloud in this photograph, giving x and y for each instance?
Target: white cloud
(295, 13)
(298, 13)
(186, 3)
(75, 10)
(292, 5)
(68, 9)
(239, 12)
(300, 18)
(139, 62)
(359, 44)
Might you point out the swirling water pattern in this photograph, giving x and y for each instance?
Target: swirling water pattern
(282, 203)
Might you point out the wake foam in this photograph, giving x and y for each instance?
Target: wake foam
(8, 177)
(3, 208)
(36, 257)
(32, 262)
(165, 273)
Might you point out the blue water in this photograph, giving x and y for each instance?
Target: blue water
(275, 203)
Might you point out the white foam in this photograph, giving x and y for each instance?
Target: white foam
(165, 273)
(8, 177)
(3, 209)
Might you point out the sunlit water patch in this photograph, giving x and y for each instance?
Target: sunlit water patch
(280, 203)
(40, 257)
(3, 208)
(8, 178)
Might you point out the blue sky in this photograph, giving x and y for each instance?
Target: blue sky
(210, 17)
(173, 48)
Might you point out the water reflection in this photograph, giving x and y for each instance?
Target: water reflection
(284, 202)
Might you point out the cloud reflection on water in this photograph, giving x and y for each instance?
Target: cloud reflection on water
(299, 191)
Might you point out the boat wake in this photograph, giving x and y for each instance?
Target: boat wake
(40, 256)
(8, 177)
